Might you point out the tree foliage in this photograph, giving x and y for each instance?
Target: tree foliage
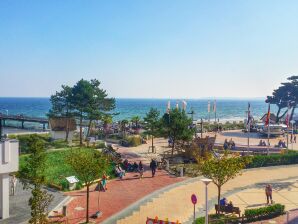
(177, 126)
(86, 101)
(32, 177)
(286, 94)
(152, 124)
(87, 165)
(136, 120)
(221, 170)
(61, 106)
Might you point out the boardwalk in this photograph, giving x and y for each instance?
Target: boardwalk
(22, 119)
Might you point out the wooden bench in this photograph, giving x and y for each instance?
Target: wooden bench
(228, 209)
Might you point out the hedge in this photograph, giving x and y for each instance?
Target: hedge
(264, 212)
(250, 215)
(273, 160)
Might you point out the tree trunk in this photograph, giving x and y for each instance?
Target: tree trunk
(152, 137)
(173, 146)
(89, 127)
(278, 118)
(87, 205)
(67, 129)
(81, 130)
(218, 198)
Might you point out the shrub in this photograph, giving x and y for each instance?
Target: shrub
(134, 140)
(220, 219)
(58, 144)
(24, 139)
(79, 185)
(65, 185)
(273, 160)
(264, 212)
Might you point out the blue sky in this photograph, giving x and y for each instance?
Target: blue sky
(148, 49)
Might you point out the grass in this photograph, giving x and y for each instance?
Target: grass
(56, 167)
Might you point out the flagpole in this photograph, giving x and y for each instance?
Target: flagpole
(268, 130)
(214, 108)
(248, 128)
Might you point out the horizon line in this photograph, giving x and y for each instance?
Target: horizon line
(156, 98)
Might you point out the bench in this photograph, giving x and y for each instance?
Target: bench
(228, 209)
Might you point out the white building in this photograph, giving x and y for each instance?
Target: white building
(59, 126)
(9, 162)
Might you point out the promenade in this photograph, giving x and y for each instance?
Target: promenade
(245, 191)
(132, 200)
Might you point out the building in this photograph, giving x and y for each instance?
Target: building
(9, 162)
(58, 127)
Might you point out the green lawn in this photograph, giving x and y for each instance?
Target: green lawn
(56, 168)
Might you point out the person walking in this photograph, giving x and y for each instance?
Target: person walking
(104, 181)
(141, 169)
(153, 166)
(268, 192)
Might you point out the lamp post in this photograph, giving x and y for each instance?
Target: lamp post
(292, 122)
(206, 181)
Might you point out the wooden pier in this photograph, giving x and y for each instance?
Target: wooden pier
(22, 119)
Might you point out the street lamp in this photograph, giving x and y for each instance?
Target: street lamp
(206, 181)
(292, 122)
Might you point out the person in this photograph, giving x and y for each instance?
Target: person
(125, 164)
(103, 182)
(261, 143)
(230, 205)
(153, 166)
(135, 167)
(268, 192)
(13, 184)
(223, 202)
(226, 144)
(294, 138)
(233, 145)
(119, 171)
(284, 144)
(141, 169)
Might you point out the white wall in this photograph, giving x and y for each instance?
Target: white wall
(56, 135)
(9, 156)
(9, 162)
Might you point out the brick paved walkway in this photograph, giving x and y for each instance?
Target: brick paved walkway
(120, 193)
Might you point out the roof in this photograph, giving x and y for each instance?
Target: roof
(61, 123)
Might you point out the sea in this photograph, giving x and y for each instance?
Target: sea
(226, 109)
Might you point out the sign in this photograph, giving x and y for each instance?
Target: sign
(194, 199)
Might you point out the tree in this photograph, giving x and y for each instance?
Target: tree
(61, 106)
(100, 105)
(87, 165)
(107, 120)
(152, 124)
(136, 120)
(177, 126)
(123, 125)
(286, 94)
(90, 102)
(33, 177)
(221, 170)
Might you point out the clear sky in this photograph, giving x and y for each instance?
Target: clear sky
(148, 49)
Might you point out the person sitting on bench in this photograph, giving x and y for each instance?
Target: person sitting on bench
(223, 202)
(119, 171)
